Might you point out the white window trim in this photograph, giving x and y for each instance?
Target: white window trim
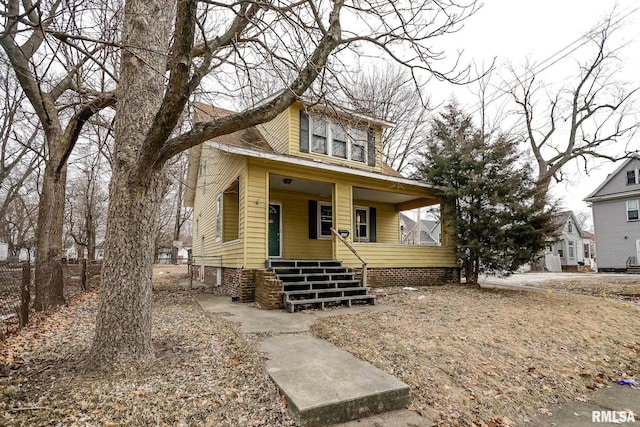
(356, 227)
(636, 173)
(329, 130)
(218, 225)
(637, 209)
(319, 222)
(571, 249)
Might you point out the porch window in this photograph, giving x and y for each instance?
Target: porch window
(361, 224)
(325, 216)
(632, 210)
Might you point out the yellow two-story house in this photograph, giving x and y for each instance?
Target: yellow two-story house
(309, 185)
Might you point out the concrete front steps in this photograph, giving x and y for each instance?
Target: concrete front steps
(633, 269)
(318, 283)
(325, 385)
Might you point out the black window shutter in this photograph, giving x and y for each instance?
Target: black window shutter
(304, 132)
(313, 219)
(372, 225)
(371, 147)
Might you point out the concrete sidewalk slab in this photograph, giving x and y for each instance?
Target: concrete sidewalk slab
(253, 320)
(326, 385)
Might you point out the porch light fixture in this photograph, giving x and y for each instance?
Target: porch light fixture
(287, 181)
(343, 233)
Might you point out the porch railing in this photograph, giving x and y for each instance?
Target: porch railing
(363, 278)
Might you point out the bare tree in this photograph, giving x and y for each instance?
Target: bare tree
(87, 200)
(301, 37)
(19, 141)
(391, 93)
(52, 58)
(580, 122)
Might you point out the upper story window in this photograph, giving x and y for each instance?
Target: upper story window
(632, 210)
(322, 136)
(570, 227)
(633, 177)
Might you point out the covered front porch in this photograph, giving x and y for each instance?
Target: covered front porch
(304, 204)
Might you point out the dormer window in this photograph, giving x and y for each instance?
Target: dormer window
(632, 177)
(322, 136)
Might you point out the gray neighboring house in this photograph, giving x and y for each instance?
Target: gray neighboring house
(430, 231)
(616, 208)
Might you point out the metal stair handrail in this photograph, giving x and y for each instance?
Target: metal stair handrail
(363, 278)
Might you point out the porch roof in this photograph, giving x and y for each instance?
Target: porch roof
(388, 174)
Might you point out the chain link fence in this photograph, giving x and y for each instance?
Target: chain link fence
(17, 289)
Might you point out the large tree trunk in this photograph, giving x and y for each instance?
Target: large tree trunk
(49, 278)
(123, 329)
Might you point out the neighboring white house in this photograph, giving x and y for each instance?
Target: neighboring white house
(616, 218)
(4, 251)
(572, 246)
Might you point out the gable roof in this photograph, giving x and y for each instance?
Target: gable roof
(561, 219)
(250, 142)
(595, 194)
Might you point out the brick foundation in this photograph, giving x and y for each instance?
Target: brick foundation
(268, 290)
(236, 282)
(410, 276)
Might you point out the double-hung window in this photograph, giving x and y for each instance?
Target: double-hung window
(324, 136)
(325, 216)
(218, 234)
(572, 250)
(361, 221)
(632, 177)
(358, 145)
(632, 210)
(319, 136)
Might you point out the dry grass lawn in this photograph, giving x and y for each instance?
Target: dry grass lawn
(489, 356)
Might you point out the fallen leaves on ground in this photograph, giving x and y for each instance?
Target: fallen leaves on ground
(475, 356)
(204, 373)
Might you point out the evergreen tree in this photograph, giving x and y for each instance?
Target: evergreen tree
(499, 227)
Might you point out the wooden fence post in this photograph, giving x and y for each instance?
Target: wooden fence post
(25, 295)
(83, 274)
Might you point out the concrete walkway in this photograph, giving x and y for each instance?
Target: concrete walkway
(324, 385)
(315, 374)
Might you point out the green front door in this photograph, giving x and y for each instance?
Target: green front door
(274, 231)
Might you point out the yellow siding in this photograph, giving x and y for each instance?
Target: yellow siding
(221, 170)
(296, 243)
(381, 255)
(387, 220)
(276, 132)
(230, 221)
(295, 227)
(294, 145)
(257, 209)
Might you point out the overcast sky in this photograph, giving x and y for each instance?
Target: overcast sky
(513, 31)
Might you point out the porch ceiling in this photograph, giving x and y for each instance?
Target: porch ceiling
(368, 194)
(300, 185)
